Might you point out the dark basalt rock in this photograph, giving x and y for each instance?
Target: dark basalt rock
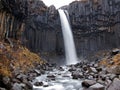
(38, 84)
(18, 8)
(77, 75)
(115, 51)
(88, 83)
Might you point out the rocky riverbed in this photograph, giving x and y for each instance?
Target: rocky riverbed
(82, 76)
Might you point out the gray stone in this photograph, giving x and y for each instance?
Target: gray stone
(92, 69)
(101, 81)
(37, 71)
(114, 70)
(88, 83)
(77, 75)
(52, 77)
(2, 88)
(115, 51)
(115, 85)
(90, 77)
(6, 80)
(112, 76)
(97, 86)
(17, 86)
(38, 84)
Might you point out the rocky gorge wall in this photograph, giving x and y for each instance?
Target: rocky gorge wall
(95, 25)
(12, 15)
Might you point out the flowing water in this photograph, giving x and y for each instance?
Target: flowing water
(70, 51)
(63, 78)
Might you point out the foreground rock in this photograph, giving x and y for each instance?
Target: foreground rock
(115, 85)
(77, 75)
(88, 83)
(96, 86)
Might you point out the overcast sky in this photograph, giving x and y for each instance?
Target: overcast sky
(57, 3)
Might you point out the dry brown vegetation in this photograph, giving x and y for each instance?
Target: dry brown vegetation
(111, 61)
(16, 58)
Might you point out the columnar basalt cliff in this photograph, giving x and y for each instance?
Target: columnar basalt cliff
(43, 31)
(95, 25)
(12, 14)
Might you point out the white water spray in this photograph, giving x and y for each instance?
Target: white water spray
(70, 51)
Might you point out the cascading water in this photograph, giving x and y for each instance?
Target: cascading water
(70, 52)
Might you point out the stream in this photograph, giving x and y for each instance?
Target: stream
(57, 79)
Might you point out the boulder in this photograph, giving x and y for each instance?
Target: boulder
(97, 86)
(52, 77)
(38, 84)
(115, 85)
(2, 88)
(88, 83)
(115, 51)
(77, 75)
(6, 80)
(92, 69)
(17, 86)
(114, 70)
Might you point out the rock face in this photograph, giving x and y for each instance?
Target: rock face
(95, 25)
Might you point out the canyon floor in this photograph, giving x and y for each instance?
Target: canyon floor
(21, 69)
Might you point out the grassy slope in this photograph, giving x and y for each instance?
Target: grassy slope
(16, 58)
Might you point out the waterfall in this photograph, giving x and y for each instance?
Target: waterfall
(70, 51)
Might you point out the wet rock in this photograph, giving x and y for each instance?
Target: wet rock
(88, 83)
(14, 80)
(115, 51)
(21, 77)
(85, 68)
(78, 65)
(99, 69)
(90, 77)
(45, 85)
(42, 71)
(96, 65)
(17, 86)
(52, 77)
(97, 86)
(92, 69)
(29, 85)
(115, 85)
(72, 69)
(101, 81)
(37, 71)
(102, 77)
(6, 80)
(61, 69)
(2, 88)
(112, 76)
(108, 82)
(38, 84)
(77, 75)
